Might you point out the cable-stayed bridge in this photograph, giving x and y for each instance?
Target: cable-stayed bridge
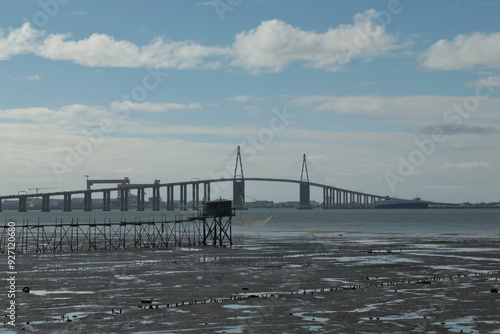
(333, 197)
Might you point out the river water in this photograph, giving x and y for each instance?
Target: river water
(365, 221)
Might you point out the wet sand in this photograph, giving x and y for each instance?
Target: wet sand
(268, 283)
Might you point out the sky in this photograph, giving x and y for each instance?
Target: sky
(398, 98)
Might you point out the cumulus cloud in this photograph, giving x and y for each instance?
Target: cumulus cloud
(104, 50)
(464, 52)
(270, 47)
(153, 107)
(18, 41)
(274, 44)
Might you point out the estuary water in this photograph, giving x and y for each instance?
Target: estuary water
(365, 221)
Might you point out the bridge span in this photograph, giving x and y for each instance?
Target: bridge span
(333, 197)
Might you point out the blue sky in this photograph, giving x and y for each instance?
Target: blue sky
(389, 97)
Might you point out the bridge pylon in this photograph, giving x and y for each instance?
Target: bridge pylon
(238, 184)
(304, 190)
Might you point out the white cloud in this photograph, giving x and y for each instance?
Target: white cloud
(268, 48)
(97, 50)
(255, 110)
(62, 120)
(274, 44)
(464, 52)
(27, 114)
(153, 107)
(412, 109)
(244, 98)
(104, 50)
(490, 80)
(34, 77)
(18, 41)
(469, 165)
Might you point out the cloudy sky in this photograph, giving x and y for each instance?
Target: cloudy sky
(390, 97)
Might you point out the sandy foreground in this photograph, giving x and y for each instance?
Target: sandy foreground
(268, 283)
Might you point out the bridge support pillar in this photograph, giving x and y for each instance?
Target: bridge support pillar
(22, 203)
(87, 201)
(140, 199)
(206, 191)
(196, 196)
(328, 198)
(156, 198)
(170, 198)
(183, 201)
(305, 196)
(124, 199)
(239, 194)
(325, 198)
(106, 200)
(1, 205)
(45, 203)
(67, 203)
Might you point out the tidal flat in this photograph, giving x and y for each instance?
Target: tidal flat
(268, 283)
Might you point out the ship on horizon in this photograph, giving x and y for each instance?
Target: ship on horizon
(396, 203)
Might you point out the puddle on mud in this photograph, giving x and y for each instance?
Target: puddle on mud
(335, 280)
(371, 307)
(307, 317)
(376, 259)
(47, 292)
(235, 329)
(241, 306)
(460, 325)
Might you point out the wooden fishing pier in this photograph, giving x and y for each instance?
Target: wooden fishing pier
(211, 227)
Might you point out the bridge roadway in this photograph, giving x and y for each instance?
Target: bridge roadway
(333, 197)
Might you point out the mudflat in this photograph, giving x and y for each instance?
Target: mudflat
(268, 283)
